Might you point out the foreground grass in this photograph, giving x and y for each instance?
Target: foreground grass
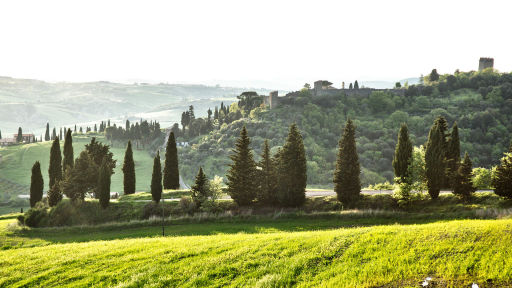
(460, 251)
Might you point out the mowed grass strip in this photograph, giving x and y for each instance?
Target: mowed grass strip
(467, 251)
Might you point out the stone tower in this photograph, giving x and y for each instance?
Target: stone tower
(318, 88)
(273, 99)
(485, 63)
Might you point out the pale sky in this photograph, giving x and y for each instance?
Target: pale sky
(276, 41)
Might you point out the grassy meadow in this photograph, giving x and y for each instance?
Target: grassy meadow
(260, 253)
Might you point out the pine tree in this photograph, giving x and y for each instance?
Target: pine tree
(347, 184)
(267, 192)
(502, 181)
(104, 184)
(81, 179)
(199, 190)
(20, 136)
(47, 134)
(463, 179)
(435, 163)
(403, 154)
(68, 160)
(292, 170)
(171, 171)
(36, 184)
(54, 195)
(356, 85)
(129, 179)
(156, 179)
(55, 169)
(242, 173)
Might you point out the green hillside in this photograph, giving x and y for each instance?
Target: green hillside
(17, 163)
(260, 254)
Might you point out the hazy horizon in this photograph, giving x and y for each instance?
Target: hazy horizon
(274, 42)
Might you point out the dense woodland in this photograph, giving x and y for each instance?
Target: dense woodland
(481, 103)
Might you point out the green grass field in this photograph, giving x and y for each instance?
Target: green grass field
(17, 162)
(298, 252)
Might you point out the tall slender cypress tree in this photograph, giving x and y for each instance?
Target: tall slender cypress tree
(104, 184)
(403, 154)
(36, 184)
(47, 133)
(453, 152)
(502, 182)
(60, 133)
(129, 171)
(69, 157)
(156, 179)
(54, 133)
(0, 134)
(463, 179)
(267, 192)
(293, 170)
(55, 168)
(356, 85)
(171, 171)
(347, 184)
(435, 163)
(20, 136)
(242, 173)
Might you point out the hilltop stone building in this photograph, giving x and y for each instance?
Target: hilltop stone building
(273, 98)
(4, 142)
(485, 63)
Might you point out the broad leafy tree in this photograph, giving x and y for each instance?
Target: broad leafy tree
(103, 189)
(36, 184)
(347, 184)
(81, 179)
(242, 173)
(433, 77)
(171, 171)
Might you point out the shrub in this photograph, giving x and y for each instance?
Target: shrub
(21, 219)
(186, 205)
(35, 217)
(63, 214)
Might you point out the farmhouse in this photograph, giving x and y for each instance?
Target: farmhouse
(28, 138)
(4, 142)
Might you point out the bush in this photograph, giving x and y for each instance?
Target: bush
(35, 217)
(21, 219)
(186, 205)
(63, 214)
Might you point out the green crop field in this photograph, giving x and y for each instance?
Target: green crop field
(17, 162)
(300, 252)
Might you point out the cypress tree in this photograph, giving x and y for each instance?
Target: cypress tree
(75, 128)
(215, 114)
(68, 160)
(36, 184)
(0, 134)
(199, 190)
(54, 195)
(55, 168)
(453, 152)
(54, 133)
(19, 139)
(104, 184)
(502, 181)
(242, 173)
(293, 170)
(156, 179)
(463, 180)
(267, 192)
(350, 86)
(95, 128)
(108, 124)
(171, 171)
(129, 171)
(356, 85)
(435, 163)
(47, 133)
(60, 133)
(347, 184)
(403, 154)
